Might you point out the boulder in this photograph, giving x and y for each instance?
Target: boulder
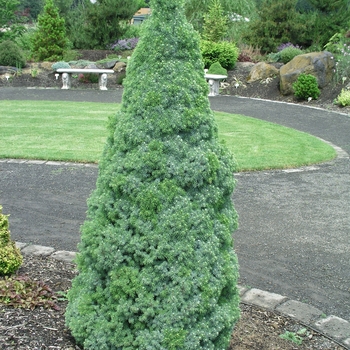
(107, 64)
(319, 64)
(7, 69)
(46, 65)
(261, 70)
(119, 67)
(91, 66)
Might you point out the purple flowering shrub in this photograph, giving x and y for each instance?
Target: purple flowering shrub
(285, 45)
(125, 44)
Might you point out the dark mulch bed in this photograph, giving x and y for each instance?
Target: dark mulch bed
(43, 328)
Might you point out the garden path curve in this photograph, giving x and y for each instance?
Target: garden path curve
(294, 226)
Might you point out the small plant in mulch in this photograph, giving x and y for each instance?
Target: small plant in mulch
(306, 87)
(343, 98)
(10, 256)
(88, 78)
(24, 292)
(19, 291)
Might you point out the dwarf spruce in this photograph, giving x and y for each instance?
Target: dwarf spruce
(156, 263)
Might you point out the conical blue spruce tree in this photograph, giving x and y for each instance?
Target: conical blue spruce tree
(156, 263)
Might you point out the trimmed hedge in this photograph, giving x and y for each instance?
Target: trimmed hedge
(156, 260)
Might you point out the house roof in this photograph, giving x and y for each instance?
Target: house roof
(143, 11)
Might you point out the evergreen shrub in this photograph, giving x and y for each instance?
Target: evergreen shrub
(215, 22)
(156, 263)
(277, 22)
(224, 52)
(289, 53)
(11, 55)
(306, 86)
(10, 256)
(50, 41)
(60, 64)
(132, 31)
(216, 68)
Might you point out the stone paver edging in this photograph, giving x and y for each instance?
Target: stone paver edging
(331, 326)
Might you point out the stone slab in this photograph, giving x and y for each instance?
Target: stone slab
(242, 290)
(64, 255)
(34, 161)
(38, 250)
(51, 162)
(334, 326)
(347, 342)
(262, 298)
(303, 312)
(21, 245)
(18, 161)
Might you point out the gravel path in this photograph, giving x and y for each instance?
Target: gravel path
(294, 234)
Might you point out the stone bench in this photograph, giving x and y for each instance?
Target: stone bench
(67, 75)
(214, 81)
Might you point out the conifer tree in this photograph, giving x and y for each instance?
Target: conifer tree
(156, 263)
(106, 21)
(50, 41)
(278, 22)
(215, 23)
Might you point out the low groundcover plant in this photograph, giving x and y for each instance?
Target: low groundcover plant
(344, 98)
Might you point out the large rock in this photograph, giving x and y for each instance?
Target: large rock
(261, 70)
(319, 64)
(119, 67)
(107, 64)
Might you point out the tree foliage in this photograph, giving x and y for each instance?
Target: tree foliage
(196, 9)
(34, 7)
(326, 18)
(215, 23)
(277, 22)
(11, 55)
(104, 21)
(10, 27)
(50, 41)
(156, 264)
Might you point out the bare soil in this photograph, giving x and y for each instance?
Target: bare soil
(258, 329)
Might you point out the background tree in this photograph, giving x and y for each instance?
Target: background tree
(215, 23)
(50, 41)
(104, 21)
(196, 9)
(156, 263)
(11, 28)
(277, 22)
(34, 7)
(325, 18)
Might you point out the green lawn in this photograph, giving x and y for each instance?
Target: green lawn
(76, 131)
